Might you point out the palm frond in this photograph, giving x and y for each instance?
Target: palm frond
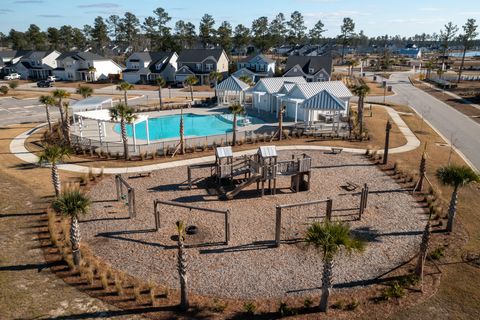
(456, 176)
(72, 203)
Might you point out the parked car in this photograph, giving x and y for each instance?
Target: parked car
(52, 78)
(12, 76)
(44, 84)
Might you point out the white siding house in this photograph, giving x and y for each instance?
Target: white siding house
(76, 66)
(145, 67)
(264, 93)
(255, 68)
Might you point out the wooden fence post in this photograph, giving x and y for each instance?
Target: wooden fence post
(329, 209)
(227, 227)
(278, 225)
(387, 141)
(156, 215)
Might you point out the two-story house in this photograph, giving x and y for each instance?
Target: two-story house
(37, 65)
(312, 68)
(145, 67)
(255, 68)
(85, 66)
(8, 59)
(200, 62)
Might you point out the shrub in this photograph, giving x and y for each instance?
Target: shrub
(285, 310)
(249, 307)
(307, 303)
(218, 306)
(436, 254)
(408, 280)
(338, 305)
(13, 84)
(4, 90)
(395, 290)
(352, 305)
(104, 280)
(119, 286)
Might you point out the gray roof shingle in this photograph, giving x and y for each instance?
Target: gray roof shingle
(198, 55)
(315, 62)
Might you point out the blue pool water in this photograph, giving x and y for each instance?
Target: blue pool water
(194, 125)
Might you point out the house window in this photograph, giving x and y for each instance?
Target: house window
(159, 66)
(199, 66)
(311, 71)
(209, 67)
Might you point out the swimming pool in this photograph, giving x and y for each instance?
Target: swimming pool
(195, 125)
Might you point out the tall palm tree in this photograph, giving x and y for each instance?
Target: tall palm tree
(53, 154)
(361, 91)
(60, 95)
(126, 115)
(329, 238)
(182, 133)
(215, 76)
(235, 109)
(281, 112)
(66, 133)
(71, 204)
(48, 101)
(125, 87)
(91, 72)
(191, 81)
(456, 177)
(182, 266)
(85, 91)
(161, 83)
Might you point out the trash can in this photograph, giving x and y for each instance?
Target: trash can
(389, 88)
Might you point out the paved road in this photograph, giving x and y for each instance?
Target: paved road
(453, 125)
(14, 111)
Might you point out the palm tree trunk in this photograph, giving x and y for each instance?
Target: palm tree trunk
(461, 64)
(75, 240)
(62, 116)
(160, 96)
(280, 125)
(66, 129)
(191, 92)
(360, 115)
(326, 284)
(125, 97)
(182, 135)
(452, 210)
(423, 251)
(56, 180)
(123, 127)
(234, 137)
(49, 118)
(182, 272)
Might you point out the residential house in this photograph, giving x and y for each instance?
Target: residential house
(200, 62)
(145, 67)
(37, 65)
(8, 59)
(410, 51)
(76, 66)
(312, 68)
(264, 93)
(255, 68)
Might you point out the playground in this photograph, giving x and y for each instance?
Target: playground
(247, 217)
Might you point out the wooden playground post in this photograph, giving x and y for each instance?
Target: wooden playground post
(120, 182)
(387, 141)
(278, 225)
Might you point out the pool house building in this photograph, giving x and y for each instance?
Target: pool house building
(231, 90)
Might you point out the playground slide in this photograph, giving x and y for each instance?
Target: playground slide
(242, 186)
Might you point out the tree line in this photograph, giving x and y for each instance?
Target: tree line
(127, 33)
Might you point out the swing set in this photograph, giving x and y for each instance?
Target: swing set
(128, 197)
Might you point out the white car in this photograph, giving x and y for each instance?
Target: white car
(12, 76)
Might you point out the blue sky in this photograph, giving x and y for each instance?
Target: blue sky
(405, 17)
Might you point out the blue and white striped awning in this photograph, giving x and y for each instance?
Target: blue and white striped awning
(324, 101)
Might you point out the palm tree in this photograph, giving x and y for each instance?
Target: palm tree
(182, 266)
(280, 122)
(125, 114)
(53, 154)
(72, 204)
(215, 76)
(182, 133)
(67, 124)
(235, 109)
(125, 86)
(85, 91)
(161, 83)
(60, 95)
(191, 81)
(91, 72)
(47, 101)
(456, 177)
(361, 91)
(329, 238)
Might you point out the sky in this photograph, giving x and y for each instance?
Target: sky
(404, 17)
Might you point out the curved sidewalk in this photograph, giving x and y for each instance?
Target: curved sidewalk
(17, 147)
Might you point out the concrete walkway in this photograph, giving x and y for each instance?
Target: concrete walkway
(17, 147)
